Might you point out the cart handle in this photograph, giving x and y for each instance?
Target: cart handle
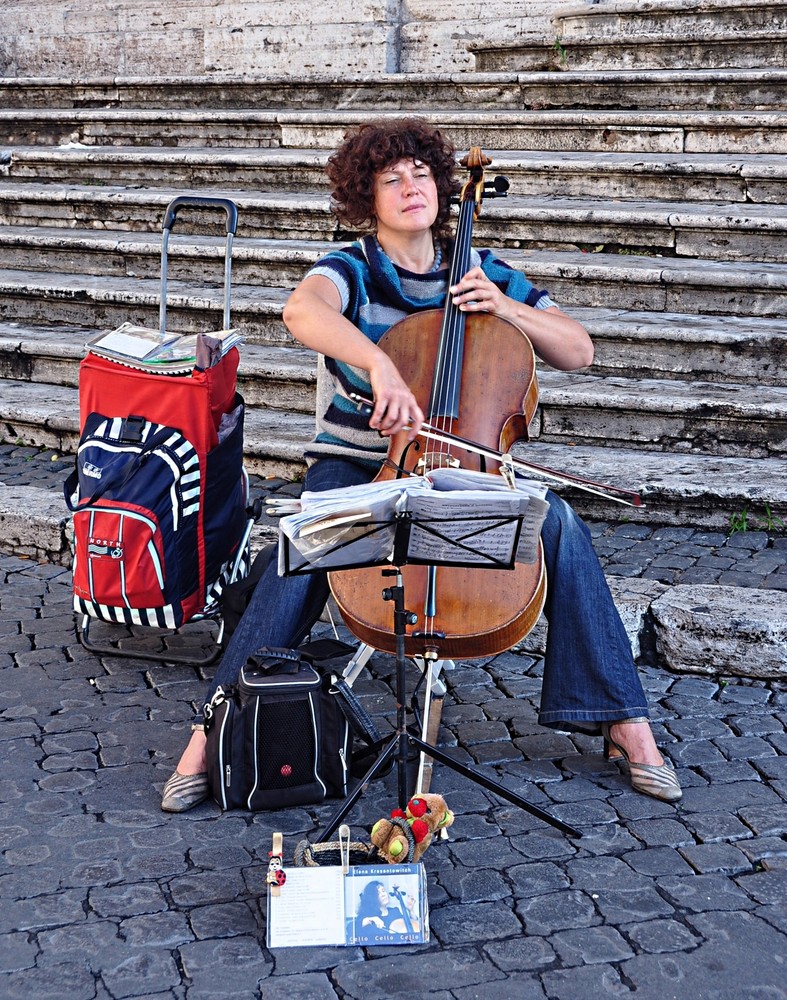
(197, 201)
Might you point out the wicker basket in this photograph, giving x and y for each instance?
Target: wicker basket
(308, 855)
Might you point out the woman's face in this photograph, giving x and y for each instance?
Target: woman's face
(405, 198)
(382, 895)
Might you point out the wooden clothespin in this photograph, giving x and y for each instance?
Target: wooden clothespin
(507, 470)
(344, 847)
(276, 876)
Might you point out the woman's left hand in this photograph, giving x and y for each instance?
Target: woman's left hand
(476, 293)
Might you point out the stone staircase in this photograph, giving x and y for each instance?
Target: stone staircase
(649, 202)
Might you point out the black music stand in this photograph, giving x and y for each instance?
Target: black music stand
(468, 546)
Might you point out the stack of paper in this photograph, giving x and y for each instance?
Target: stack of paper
(165, 353)
(453, 517)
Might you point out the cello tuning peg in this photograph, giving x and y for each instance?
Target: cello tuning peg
(499, 186)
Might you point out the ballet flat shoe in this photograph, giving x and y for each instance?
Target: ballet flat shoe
(184, 791)
(657, 780)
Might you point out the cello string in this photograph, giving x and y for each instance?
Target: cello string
(450, 354)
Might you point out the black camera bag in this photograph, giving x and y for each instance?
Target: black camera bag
(283, 735)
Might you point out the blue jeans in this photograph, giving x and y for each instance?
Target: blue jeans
(589, 671)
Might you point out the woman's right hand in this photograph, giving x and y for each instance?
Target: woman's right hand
(395, 407)
(376, 921)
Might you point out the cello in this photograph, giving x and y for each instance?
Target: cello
(475, 377)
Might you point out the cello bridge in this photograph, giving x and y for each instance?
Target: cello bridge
(435, 460)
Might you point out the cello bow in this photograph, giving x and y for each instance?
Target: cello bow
(618, 494)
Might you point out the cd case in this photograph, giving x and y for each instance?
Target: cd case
(369, 905)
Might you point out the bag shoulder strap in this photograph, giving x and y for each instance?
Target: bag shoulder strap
(359, 720)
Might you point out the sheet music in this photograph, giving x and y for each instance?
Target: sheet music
(333, 521)
(486, 523)
(473, 526)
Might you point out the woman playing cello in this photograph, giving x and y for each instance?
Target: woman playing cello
(394, 179)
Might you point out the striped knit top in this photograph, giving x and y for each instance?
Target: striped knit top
(375, 294)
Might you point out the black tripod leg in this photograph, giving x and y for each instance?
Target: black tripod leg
(338, 815)
(493, 786)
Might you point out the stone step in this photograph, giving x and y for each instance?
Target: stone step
(707, 230)
(270, 377)
(676, 416)
(687, 489)
(578, 408)
(727, 50)
(625, 36)
(664, 176)
(102, 302)
(729, 89)
(698, 19)
(48, 416)
(654, 283)
(662, 343)
(594, 278)
(629, 341)
(681, 34)
(234, 132)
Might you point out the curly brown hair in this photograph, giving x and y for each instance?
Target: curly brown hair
(369, 148)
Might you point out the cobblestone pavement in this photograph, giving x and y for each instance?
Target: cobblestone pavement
(105, 896)
(756, 557)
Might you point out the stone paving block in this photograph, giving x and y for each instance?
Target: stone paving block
(711, 828)
(476, 885)
(590, 945)
(771, 768)
(605, 840)
(695, 752)
(756, 724)
(456, 925)
(709, 858)
(542, 846)
(520, 953)
(232, 965)
(631, 805)
(157, 930)
(733, 797)
(765, 887)
(623, 906)
(699, 893)
(657, 861)
(73, 979)
(592, 874)
(290, 961)
(494, 752)
(516, 987)
(730, 941)
(536, 879)
(662, 935)
(307, 986)
(760, 849)
(17, 952)
(394, 976)
(579, 984)
(542, 915)
(582, 815)
(661, 833)
(223, 920)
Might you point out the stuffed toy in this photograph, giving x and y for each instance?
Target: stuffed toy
(407, 834)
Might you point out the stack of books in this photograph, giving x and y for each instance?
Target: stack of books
(163, 353)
